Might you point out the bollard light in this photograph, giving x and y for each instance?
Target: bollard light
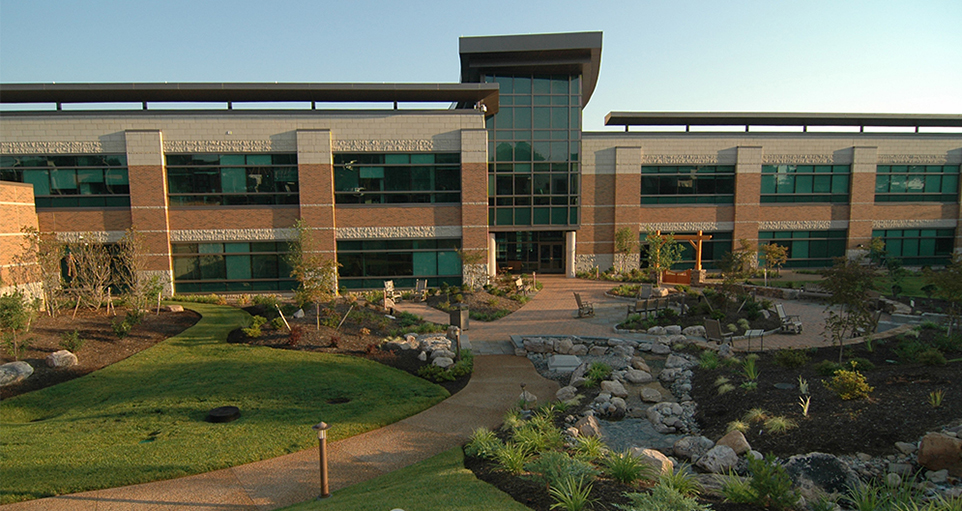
(321, 429)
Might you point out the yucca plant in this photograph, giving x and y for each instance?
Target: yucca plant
(749, 369)
(804, 402)
(572, 494)
(935, 398)
(802, 385)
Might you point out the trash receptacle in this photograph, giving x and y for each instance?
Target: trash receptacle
(459, 318)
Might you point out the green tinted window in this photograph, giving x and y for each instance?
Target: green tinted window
(708, 184)
(917, 183)
(369, 178)
(805, 183)
(232, 179)
(71, 181)
(367, 263)
(231, 267)
(918, 247)
(808, 249)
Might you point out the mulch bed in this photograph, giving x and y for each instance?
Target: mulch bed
(101, 345)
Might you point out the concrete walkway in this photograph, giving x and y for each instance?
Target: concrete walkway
(493, 389)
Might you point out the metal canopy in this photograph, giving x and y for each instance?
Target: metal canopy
(779, 119)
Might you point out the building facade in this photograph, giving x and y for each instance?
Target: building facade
(499, 177)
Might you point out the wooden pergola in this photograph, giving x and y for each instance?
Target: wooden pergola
(695, 240)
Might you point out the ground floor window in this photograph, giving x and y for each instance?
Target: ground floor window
(808, 249)
(366, 264)
(918, 247)
(530, 251)
(231, 267)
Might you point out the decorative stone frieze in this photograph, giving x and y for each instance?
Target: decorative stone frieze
(227, 146)
(585, 262)
(92, 237)
(914, 223)
(912, 159)
(678, 159)
(797, 159)
(475, 275)
(363, 146)
(802, 225)
(414, 231)
(667, 227)
(232, 235)
(61, 147)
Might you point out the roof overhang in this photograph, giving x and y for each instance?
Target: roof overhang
(779, 119)
(568, 53)
(464, 93)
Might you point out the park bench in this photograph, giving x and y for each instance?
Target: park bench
(421, 289)
(390, 291)
(790, 322)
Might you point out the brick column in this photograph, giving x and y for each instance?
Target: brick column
(626, 195)
(148, 201)
(474, 205)
(861, 199)
(748, 187)
(315, 177)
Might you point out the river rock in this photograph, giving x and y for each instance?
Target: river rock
(578, 350)
(697, 331)
(589, 426)
(13, 372)
(736, 440)
(60, 359)
(818, 474)
(423, 356)
(442, 353)
(650, 395)
(656, 330)
(640, 364)
(692, 447)
(597, 351)
(654, 459)
(938, 451)
(660, 349)
(566, 393)
(564, 346)
(672, 330)
(636, 376)
(674, 361)
(443, 362)
(614, 388)
(718, 460)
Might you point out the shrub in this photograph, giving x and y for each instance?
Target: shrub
(330, 318)
(736, 489)
(779, 424)
(571, 494)
(791, 358)
(908, 350)
(826, 368)
(736, 426)
(626, 469)
(294, 337)
(863, 364)
(483, 444)
(590, 448)
(254, 330)
(435, 374)
(664, 498)
(278, 323)
(770, 483)
(932, 357)
(597, 372)
(708, 360)
(122, 327)
(680, 480)
(947, 344)
(538, 437)
(755, 415)
(511, 458)
(552, 467)
(71, 341)
(849, 384)
(269, 301)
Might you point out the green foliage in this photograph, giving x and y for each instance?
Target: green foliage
(725, 388)
(849, 384)
(826, 367)
(483, 444)
(770, 483)
(511, 458)
(16, 314)
(627, 469)
(278, 323)
(908, 349)
(779, 424)
(254, 330)
(848, 311)
(590, 448)
(122, 327)
(755, 415)
(708, 360)
(935, 398)
(663, 498)
(597, 372)
(269, 301)
(749, 369)
(736, 426)
(315, 274)
(681, 480)
(932, 357)
(552, 467)
(743, 324)
(71, 341)
(791, 358)
(626, 241)
(537, 437)
(863, 364)
(737, 489)
(571, 495)
(663, 252)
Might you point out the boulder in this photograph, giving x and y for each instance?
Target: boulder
(614, 388)
(692, 447)
(654, 459)
(938, 451)
(725, 351)
(906, 447)
(564, 346)
(616, 342)
(718, 460)
(660, 349)
(818, 474)
(640, 364)
(579, 350)
(589, 426)
(453, 333)
(677, 340)
(13, 372)
(60, 359)
(520, 352)
(537, 345)
(530, 400)
(696, 331)
(597, 351)
(635, 376)
(299, 314)
(673, 330)
(650, 395)
(566, 393)
(938, 476)
(578, 382)
(674, 361)
(623, 351)
(442, 353)
(656, 330)
(174, 308)
(443, 362)
(423, 356)
(736, 440)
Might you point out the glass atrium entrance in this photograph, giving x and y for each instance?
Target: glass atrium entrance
(531, 251)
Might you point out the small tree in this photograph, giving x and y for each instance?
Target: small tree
(663, 252)
(876, 251)
(948, 284)
(897, 274)
(130, 272)
(88, 269)
(775, 256)
(39, 261)
(625, 243)
(16, 314)
(849, 282)
(316, 275)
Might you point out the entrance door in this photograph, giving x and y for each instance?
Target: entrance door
(552, 258)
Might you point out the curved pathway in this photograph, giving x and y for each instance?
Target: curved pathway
(493, 389)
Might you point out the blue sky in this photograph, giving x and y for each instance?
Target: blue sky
(801, 56)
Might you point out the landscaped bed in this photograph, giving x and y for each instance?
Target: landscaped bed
(143, 419)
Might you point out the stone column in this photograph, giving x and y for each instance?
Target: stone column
(861, 200)
(149, 203)
(748, 184)
(571, 239)
(492, 256)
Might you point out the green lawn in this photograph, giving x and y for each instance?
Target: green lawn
(438, 483)
(142, 419)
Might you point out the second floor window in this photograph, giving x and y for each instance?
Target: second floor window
(418, 178)
(232, 179)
